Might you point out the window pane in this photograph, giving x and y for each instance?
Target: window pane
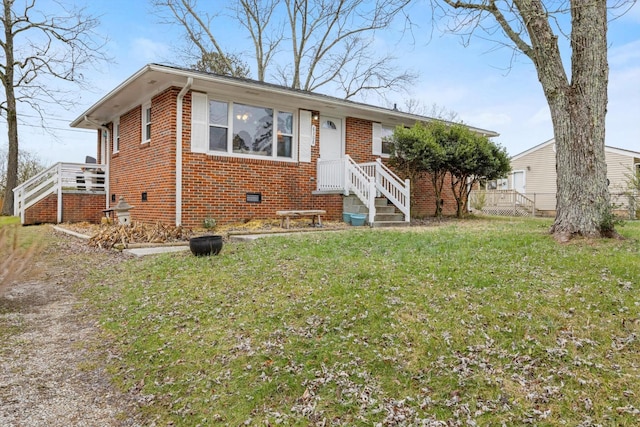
(218, 113)
(147, 132)
(217, 139)
(285, 122)
(284, 146)
(328, 125)
(252, 130)
(387, 140)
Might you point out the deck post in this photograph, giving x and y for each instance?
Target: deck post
(59, 190)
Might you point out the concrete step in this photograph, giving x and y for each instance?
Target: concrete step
(382, 201)
(381, 224)
(389, 217)
(385, 209)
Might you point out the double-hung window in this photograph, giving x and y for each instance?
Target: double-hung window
(146, 122)
(387, 140)
(218, 127)
(244, 129)
(116, 135)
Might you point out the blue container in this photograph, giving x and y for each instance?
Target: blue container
(346, 217)
(358, 219)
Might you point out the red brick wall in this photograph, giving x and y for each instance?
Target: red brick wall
(216, 186)
(150, 167)
(76, 207)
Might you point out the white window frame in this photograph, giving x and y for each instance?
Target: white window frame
(146, 124)
(116, 135)
(276, 109)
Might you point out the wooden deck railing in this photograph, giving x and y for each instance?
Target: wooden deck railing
(58, 179)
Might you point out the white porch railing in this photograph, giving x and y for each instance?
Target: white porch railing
(59, 178)
(502, 202)
(366, 181)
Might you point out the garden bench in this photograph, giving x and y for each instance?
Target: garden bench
(297, 214)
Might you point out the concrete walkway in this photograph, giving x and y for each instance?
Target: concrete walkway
(162, 249)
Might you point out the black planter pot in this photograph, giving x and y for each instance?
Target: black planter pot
(205, 245)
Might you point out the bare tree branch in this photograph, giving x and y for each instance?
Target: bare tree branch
(38, 49)
(327, 40)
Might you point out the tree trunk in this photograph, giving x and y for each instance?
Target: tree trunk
(12, 118)
(582, 199)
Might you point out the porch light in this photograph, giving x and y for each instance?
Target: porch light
(122, 211)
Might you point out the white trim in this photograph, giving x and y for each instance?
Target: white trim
(376, 138)
(305, 135)
(532, 149)
(179, 119)
(301, 99)
(621, 151)
(607, 148)
(199, 122)
(200, 137)
(524, 179)
(146, 106)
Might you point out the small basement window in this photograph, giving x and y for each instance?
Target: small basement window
(254, 197)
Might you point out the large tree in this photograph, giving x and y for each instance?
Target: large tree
(39, 47)
(577, 100)
(321, 42)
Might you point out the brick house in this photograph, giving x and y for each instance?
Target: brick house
(183, 146)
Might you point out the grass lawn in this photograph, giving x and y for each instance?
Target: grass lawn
(476, 323)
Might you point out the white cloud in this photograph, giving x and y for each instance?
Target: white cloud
(542, 116)
(148, 50)
(625, 54)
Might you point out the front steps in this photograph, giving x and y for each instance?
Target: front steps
(386, 214)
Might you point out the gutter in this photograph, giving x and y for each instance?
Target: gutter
(181, 95)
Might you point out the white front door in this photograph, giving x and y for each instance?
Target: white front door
(331, 146)
(518, 181)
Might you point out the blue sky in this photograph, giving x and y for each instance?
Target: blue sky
(478, 82)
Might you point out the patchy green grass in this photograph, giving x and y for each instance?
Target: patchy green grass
(483, 321)
(9, 220)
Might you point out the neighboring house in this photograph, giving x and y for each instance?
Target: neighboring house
(183, 146)
(533, 174)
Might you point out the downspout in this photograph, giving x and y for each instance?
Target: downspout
(181, 95)
(107, 171)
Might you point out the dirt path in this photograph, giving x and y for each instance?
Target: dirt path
(51, 371)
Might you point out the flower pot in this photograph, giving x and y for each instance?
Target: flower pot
(205, 245)
(358, 219)
(346, 217)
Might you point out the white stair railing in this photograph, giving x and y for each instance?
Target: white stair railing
(390, 186)
(366, 181)
(59, 178)
(361, 184)
(394, 189)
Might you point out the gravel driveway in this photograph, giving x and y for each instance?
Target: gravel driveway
(51, 356)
